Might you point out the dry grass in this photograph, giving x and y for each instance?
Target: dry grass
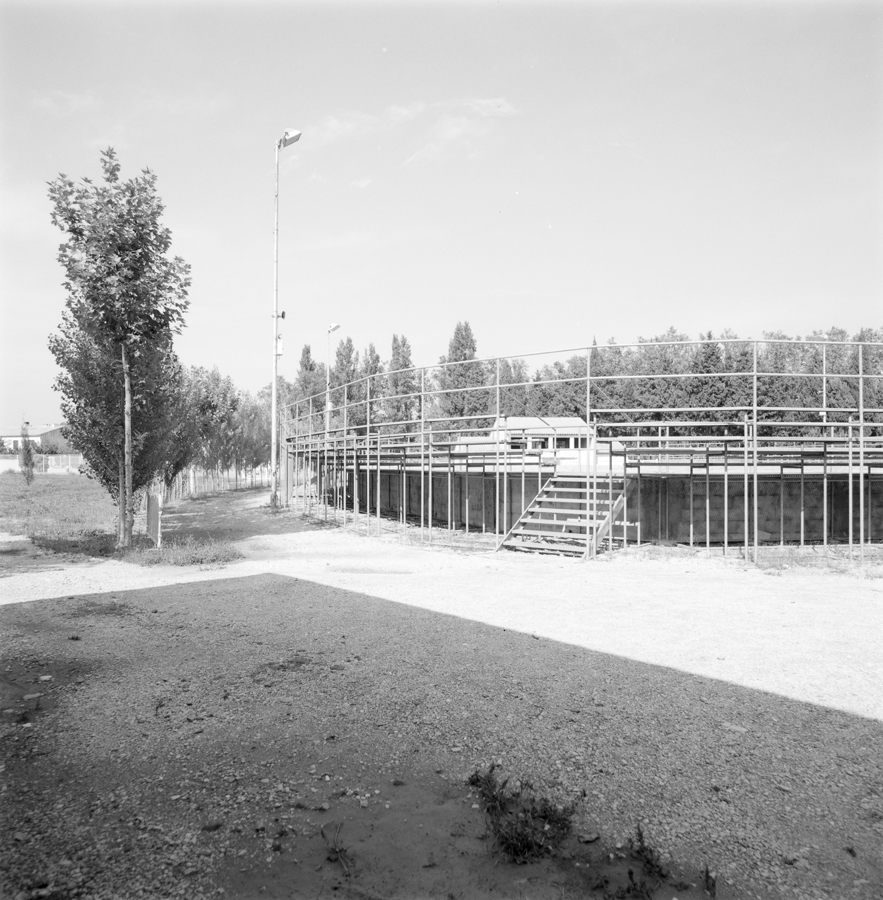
(866, 562)
(187, 551)
(777, 559)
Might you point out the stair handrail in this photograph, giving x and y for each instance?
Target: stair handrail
(600, 533)
(524, 512)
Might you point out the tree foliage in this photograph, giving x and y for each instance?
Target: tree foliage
(453, 380)
(125, 295)
(93, 407)
(401, 383)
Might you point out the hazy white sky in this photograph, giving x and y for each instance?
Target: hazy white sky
(551, 172)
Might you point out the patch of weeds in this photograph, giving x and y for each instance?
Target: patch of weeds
(186, 552)
(524, 826)
(647, 856)
(336, 851)
(709, 882)
(640, 890)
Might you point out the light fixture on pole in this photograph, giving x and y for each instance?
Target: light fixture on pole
(289, 137)
(331, 327)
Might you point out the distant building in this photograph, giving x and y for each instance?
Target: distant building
(42, 436)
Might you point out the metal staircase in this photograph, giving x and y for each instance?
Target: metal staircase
(557, 520)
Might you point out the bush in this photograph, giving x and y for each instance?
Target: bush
(524, 827)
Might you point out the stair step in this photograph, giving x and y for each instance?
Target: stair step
(552, 534)
(575, 504)
(572, 520)
(550, 551)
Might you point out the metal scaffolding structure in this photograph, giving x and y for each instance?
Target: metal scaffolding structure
(788, 454)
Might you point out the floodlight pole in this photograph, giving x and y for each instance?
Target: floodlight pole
(331, 327)
(289, 137)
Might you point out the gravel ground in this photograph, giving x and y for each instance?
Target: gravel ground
(736, 714)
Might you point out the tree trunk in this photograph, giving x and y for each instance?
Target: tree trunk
(121, 504)
(128, 509)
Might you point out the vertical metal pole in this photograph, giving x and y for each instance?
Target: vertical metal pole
(296, 452)
(273, 389)
(781, 505)
(422, 450)
(466, 476)
(450, 486)
(611, 533)
(483, 492)
(640, 504)
(861, 454)
(310, 464)
(625, 499)
(379, 530)
(593, 491)
(754, 392)
(429, 510)
(802, 504)
(346, 477)
(745, 485)
(497, 460)
(323, 464)
(523, 477)
(691, 499)
(505, 527)
(368, 455)
(849, 470)
(726, 495)
(707, 503)
(756, 493)
(825, 497)
(589, 525)
(824, 387)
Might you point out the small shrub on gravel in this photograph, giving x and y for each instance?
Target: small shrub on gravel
(186, 552)
(647, 856)
(524, 826)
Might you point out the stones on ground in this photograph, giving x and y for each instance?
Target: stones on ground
(738, 729)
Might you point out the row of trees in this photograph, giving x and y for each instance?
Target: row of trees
(711, 381)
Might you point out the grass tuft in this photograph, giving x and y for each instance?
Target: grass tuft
(647, 855)
(185, 552)
(525, 827)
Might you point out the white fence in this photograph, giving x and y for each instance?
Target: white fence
(44, 463)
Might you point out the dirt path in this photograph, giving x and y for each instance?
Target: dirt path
(206, 728)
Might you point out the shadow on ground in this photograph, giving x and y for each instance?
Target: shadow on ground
(231, 516)
(271, 735)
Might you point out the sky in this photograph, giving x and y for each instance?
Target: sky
(550, 172)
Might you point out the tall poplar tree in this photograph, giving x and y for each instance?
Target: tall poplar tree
(402, 383)
(124, 291)
(468, 373)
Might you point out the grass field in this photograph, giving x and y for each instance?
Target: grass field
(55, 507)
(74, 514)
